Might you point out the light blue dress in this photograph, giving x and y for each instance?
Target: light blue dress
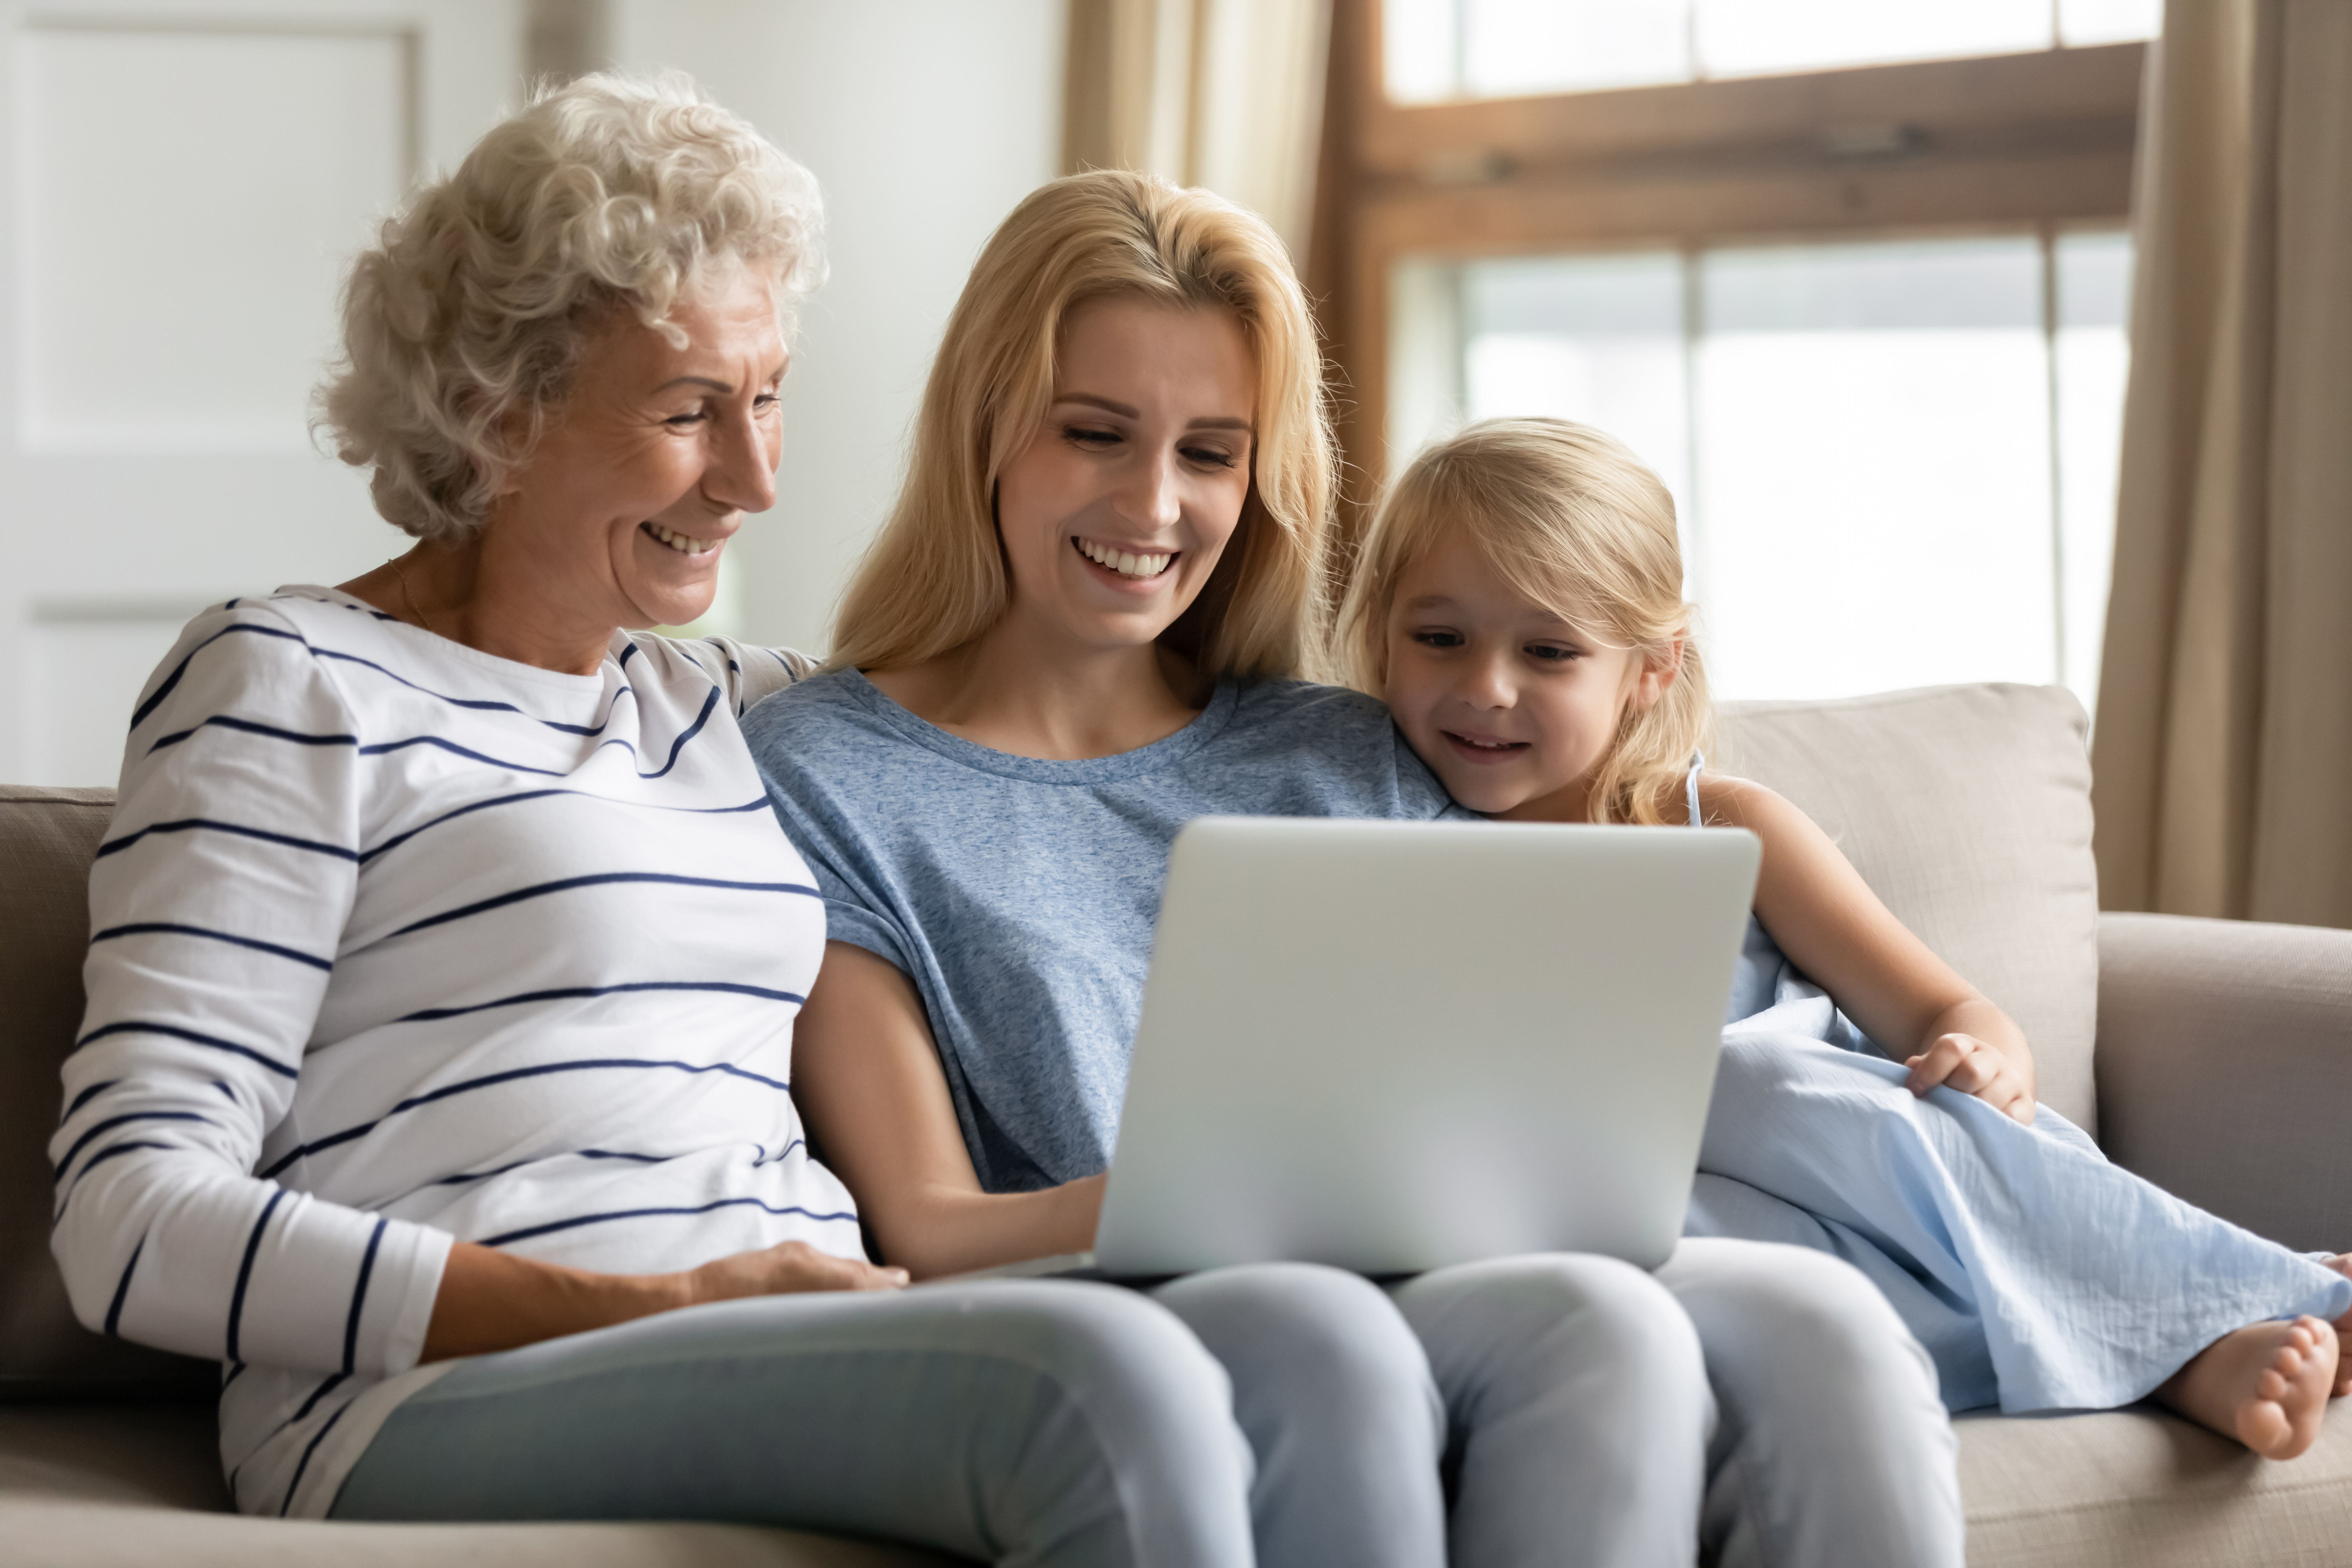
(2036, 1273)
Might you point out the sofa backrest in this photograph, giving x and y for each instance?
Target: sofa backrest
(47, 840)
(1968, 809)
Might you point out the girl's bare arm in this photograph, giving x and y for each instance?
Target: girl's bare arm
(1832, 927)
(869, 1084)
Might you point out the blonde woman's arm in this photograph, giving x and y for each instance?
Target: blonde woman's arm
(868, 1082)
(1832, 927)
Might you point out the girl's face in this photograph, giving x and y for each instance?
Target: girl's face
(1510, 705)
(1114, 513)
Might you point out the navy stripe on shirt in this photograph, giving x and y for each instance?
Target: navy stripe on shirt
(85, 1096)
(136, 1026)
(479, 704)
(190, 824)
(571, 992)
(396, 840)
(247, 726)
(172, 680)
(168, 928)
(114, 1307)
(101, 1158)
(112, 1122)
(295, 1485)
(359, 1300)
(244, 1271)
(489, 1080)
(466, 1177)
(601, 879)
(385, 748)
(528, 1231)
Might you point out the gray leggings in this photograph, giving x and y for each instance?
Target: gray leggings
(1283, 1414)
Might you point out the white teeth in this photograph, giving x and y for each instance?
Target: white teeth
(1125, 563)
(685, 544)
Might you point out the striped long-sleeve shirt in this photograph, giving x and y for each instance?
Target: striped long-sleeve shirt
(396, 943)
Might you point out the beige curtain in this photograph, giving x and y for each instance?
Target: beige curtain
(2223, 752)
(1222, 93)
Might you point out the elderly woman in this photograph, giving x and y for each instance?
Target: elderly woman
(445, 957)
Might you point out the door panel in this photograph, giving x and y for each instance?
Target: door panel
(181, 188)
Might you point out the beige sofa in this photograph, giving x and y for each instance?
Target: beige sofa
(2214, 1057)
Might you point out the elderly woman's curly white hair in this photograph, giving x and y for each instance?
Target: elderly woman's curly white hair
(461, 329)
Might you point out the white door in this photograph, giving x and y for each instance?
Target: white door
(182, 183)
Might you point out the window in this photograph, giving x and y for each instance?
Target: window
(1867, 323)
(1437, 50)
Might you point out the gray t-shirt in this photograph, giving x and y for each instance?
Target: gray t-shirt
(1019, 895)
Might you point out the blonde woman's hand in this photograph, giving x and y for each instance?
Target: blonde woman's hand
(785, 1270)
(1966, 1063)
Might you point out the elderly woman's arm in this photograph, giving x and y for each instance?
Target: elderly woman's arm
(492, 1300)
(869, 1084)
(218, 905)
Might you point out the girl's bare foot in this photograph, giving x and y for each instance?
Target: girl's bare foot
(2342, 1264)
(2266, 1386)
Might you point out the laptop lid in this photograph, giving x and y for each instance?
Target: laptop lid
(1393, 1047)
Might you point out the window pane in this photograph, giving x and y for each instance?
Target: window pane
(1514, 47)
(2093, 357)
(1858, 437)
(1438, 49)
(1424, 391)
(1596, 339)
(2108, 21)
(1873, 467)
(1421, 49)
(1743, 37)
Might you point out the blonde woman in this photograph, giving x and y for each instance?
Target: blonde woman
(1082, 627)
(447, 956)
(1519, 604)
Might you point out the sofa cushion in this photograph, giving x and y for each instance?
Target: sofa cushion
(1968, 809)
(47, 840)
(2137, 1489)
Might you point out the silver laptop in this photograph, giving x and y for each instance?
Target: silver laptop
(1393, 1047)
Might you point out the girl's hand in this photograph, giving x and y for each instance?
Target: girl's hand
(786, 1269)
(1968, 1063)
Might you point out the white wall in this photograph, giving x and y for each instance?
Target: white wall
(924, 120)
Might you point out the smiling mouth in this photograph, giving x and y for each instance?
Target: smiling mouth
(1485, 748)
(1125, 563)
(685, 544)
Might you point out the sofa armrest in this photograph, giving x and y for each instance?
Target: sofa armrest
(2224, 1068)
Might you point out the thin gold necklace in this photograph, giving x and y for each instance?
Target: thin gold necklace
(407, 597)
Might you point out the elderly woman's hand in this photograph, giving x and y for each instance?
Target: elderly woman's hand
(492, 1300)
(785, 1269)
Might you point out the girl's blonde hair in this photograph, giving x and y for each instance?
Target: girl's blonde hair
(1573, 520)
(934, 579)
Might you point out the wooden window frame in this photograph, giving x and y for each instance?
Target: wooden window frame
(2038, 142)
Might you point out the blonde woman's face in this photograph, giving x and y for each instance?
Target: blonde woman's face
(1114, 513)
(653, 462)
(1511, 707)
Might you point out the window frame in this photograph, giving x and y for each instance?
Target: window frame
(2041, 142)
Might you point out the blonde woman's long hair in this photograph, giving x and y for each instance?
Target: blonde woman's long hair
(1573, 520)
(934, 579)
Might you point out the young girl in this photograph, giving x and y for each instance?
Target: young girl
(1518, 605)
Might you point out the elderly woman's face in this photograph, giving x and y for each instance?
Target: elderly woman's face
(649, 468)
(1114, 515)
